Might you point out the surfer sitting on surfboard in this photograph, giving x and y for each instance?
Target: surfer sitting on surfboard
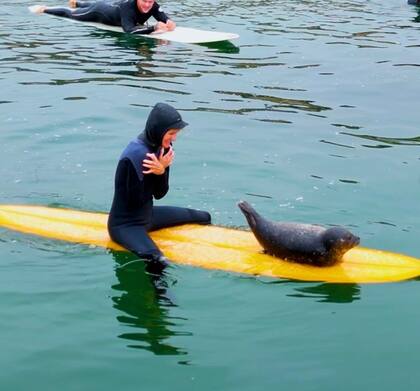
(143, 175)
(129, 14)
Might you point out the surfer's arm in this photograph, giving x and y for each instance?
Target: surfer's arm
(170, 24)
(161, 185)
(142, 30)
(160, 16)
(158, 13)
(129, 183)
(159, 166)
(129, 25)
(164, 23)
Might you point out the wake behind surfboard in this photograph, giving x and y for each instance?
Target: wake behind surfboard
(180, 34)
(211, 247)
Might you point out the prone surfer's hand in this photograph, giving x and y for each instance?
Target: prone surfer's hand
(167, 158)
(160, 27)
(153, 165)
(170, 24)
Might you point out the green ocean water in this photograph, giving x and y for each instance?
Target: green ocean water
(312, 116)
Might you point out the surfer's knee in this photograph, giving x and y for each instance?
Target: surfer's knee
(207, 218)
(201, 216)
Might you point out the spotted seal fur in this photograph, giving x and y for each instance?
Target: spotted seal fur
(303, 243)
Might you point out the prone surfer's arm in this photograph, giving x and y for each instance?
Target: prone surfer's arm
(143, 30)
(159, 27)
(158, 13)
(129, 26)
(160, 16)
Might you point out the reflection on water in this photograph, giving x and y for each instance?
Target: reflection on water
(268, 110)
(278, 101)
(417, 18)
(144, 302)
(330, 293)
(272, 54)
(222, 47)
(390, 141)
(127, 41)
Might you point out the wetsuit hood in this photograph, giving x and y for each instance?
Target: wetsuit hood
(162, 118)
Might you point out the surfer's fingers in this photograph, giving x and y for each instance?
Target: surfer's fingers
(168, 156)
(152, 156)
(148, 161)
(152, 165)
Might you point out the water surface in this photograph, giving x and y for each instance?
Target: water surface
(312, 115)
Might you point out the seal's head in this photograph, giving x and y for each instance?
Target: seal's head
(338, 240)
(249, 212)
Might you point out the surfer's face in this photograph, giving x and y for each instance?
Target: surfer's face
(145, 5)
(169, 137)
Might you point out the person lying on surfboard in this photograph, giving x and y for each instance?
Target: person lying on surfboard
(131, 15)
(143, 175)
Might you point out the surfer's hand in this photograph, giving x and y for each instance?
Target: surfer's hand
(40, 9)
(153, 165)
(160, 27)
(167, 158)
(170, 25)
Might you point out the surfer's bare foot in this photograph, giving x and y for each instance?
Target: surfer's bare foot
(73, 3)
(40, 9)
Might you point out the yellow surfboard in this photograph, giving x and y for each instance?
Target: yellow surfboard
(211, 247)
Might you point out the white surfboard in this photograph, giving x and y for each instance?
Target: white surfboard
(180, 34)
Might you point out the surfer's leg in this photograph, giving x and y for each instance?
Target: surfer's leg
(81, 4)
(85, 14)
(169, 216)
(136, 240)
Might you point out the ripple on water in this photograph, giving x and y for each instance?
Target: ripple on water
(311, 114)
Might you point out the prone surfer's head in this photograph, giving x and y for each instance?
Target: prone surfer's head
(162, 126)
(145, 5)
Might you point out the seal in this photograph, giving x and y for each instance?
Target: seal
(304, 243)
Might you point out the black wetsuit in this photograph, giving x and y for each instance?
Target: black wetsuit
(124, 13)
(132, 213)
